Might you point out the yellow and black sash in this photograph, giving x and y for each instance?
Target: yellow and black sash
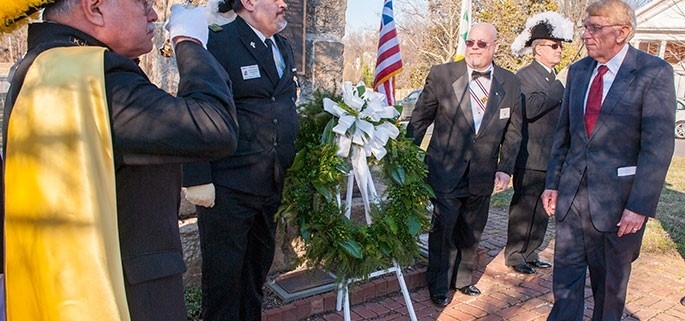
(61, 237)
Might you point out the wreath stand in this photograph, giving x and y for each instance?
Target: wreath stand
(343, 297)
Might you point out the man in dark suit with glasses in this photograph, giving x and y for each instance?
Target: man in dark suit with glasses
(474, 106)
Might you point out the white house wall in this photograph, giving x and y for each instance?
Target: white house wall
(661, 20)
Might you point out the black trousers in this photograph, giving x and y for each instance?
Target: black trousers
(527, 218)
(237, 243)
(457, 226)
(157, 300)
(579, 247)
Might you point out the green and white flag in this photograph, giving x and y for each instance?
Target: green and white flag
(464, 27)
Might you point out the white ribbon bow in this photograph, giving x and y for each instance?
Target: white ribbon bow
(358, 134)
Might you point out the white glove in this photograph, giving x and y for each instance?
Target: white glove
(201, 195)
(561, 76)
(188, 22)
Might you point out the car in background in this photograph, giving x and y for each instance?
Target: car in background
(408, 104)
(680, 119)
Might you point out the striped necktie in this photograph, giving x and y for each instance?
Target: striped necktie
(479, 100)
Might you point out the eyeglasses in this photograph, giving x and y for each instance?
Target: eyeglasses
(593, 29)
(480, 43)
(554, 46)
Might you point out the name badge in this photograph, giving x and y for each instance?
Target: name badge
(626, 171)
(504, 113)
(250, 72)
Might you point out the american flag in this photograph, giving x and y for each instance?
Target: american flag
(389, 61)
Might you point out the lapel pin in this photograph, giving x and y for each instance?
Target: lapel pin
(252, 44)
(215, 27)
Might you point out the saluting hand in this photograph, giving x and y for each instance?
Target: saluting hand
(188, 23)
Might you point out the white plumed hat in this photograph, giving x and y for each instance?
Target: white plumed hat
(544, 25)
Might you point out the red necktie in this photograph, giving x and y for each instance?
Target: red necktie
(594, 99)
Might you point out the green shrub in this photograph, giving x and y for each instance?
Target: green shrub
(193, 298)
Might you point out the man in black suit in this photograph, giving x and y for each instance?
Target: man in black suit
(107, 215)
(475, 108)
(237, 228)
(611, 152)
(541, 95)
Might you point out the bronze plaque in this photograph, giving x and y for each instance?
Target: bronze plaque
(296, 31)
(303, 280)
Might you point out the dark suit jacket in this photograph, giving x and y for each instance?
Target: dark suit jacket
(634, 132)
(455, 151)
(541, 95)
(266, 114)
(153, 134)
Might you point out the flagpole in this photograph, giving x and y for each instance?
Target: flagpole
(464, 27)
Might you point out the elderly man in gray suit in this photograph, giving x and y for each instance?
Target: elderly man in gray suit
(474, 106)
(611, 152)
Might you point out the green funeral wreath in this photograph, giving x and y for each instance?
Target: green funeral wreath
(331, 240)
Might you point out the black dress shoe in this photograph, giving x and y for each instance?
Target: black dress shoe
(469, 290)
(524, 268)
(440, 300)
(540, 264)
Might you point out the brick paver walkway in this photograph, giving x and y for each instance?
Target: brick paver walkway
(656, 286)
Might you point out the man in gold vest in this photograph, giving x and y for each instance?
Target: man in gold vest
(93, 155)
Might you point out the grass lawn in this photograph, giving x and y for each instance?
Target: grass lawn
(665, 235)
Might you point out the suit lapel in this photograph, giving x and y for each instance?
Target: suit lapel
(257, 49)
(287, 55)
(579, 85)
(461, 97)
(494, 100)
(542, 73)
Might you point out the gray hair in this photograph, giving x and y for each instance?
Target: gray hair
(617, 11)
(58, 8)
